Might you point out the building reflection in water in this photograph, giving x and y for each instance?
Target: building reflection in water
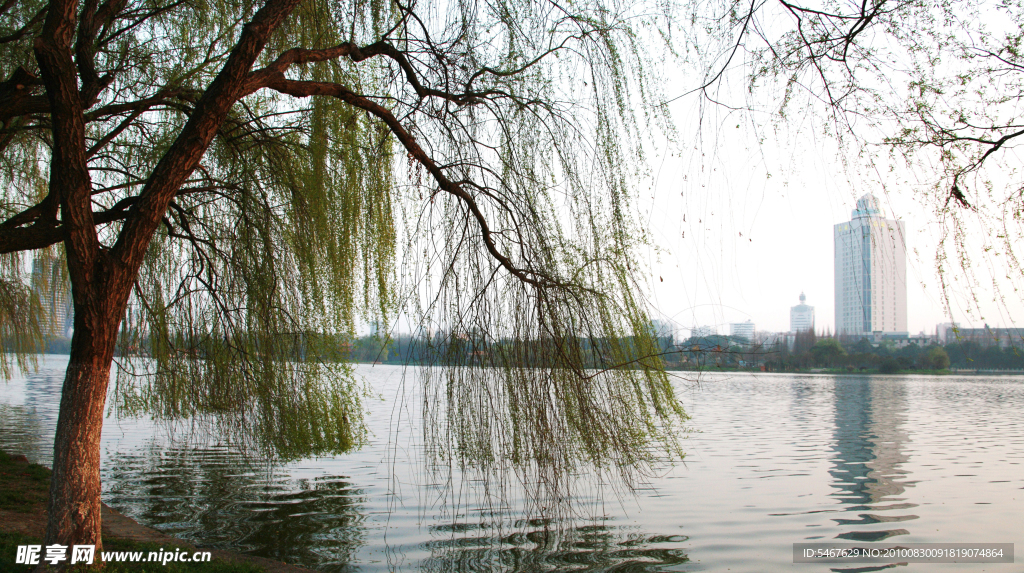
(867, 467)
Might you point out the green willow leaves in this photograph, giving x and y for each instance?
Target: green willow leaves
(464, 165)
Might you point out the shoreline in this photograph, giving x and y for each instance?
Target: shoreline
(29, 519)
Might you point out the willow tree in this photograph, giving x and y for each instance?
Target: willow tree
(230, 185)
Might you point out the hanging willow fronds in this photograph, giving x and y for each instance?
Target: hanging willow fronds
(466, 164)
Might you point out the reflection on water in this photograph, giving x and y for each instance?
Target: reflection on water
(28, 411)
(777, 460)
(592, 547)
(585, 548)
(212, 496)
(868, 444)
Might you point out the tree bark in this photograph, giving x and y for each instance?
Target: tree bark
(74, 504)
(102, 277)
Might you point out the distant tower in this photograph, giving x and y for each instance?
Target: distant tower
(870, 272)
(53, 291)
(801, 316)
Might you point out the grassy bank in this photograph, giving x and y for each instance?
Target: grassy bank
(23, 493)
(23, 486)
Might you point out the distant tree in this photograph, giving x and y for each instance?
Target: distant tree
(1015, 357)
(804, 341)
(777, 356)
(912, 353)
(937, 359)
(864, 360)
(885, 349)
(863, 346)
(828, 352)
(962, 354)
(889, 366)
(992, 357)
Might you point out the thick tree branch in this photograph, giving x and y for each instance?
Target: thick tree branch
(185, 153)
(15, 236)
(30, 238)
(85, 48)
(159, 98)
(259, 78)
(16, 95)
(69, 175)
(297, 88)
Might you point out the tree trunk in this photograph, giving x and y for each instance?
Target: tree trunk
(74, 505)
(101, 276)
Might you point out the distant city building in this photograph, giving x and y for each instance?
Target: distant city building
(742, 330)
(921, 340)
(767, 339)
(1001, 337)
(944, 332)
(53, 290)
(801, 316)
(663, 328)
(870, 273)
(702, 331)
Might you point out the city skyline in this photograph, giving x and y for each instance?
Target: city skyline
(749, 255)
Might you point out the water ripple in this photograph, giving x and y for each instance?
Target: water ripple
(776, 460)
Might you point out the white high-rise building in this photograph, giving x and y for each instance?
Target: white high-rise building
(801, 316)
(742, 330)
(870, 272)
(53, 291)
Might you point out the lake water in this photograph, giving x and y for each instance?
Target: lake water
(774, 460)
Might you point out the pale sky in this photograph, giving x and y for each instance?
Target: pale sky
(752, 242)
(760, 196)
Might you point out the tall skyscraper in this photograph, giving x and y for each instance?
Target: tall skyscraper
(870, 272)
(801, 316)
(53, 291)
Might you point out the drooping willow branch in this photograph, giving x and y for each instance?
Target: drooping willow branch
(297, 88)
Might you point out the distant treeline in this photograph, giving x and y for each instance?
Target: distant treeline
(467, 349)
(47, 345)
(451, 350)
(811, 351)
